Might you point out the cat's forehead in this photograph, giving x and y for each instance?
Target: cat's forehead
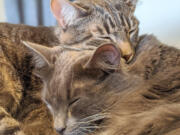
(64, 66)
(108, 5)
(68, 58)
(104, 11)
(70, 55)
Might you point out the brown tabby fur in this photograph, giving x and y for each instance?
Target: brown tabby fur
(22, 110)
(18, 32)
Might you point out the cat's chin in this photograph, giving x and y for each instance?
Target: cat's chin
(78, 131)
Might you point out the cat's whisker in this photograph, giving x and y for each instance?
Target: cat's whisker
(76, 132)
(95, 119)
(87, 130)
(94, 116)
(91, 127)
(92, 119)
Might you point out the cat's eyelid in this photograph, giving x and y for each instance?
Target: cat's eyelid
(74, 101)
(106, 37)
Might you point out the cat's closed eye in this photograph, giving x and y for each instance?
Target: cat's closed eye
(73, 101)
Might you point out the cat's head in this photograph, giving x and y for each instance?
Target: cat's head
(94, 22)
(80, 87)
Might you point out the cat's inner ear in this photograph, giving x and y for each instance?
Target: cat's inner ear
(42, 58)
(107, 56)
(66, 12)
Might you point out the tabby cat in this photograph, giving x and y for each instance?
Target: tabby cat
(22, 111)
(91, 22)
(84, 22)
(94, 92)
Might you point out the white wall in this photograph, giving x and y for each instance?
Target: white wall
(2, 13)
(161, 18)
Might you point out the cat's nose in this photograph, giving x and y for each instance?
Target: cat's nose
(61, 130)
(60, 123)
(127, 51)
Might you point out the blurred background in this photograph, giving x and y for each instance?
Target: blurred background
(158, 17)
(30, 12)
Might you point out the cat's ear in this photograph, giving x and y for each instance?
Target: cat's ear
(106, 57)
(66, 12)
(42, 58)
(131, 3)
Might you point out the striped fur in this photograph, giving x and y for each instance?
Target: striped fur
(10, 96)
(22, 111)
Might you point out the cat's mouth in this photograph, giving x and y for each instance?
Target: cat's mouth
(127, 51)
(84, 127)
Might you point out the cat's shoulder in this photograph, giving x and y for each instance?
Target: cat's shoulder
(151, 42)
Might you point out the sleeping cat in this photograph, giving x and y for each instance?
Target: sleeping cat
(29, 114)
(92, 21)
(94, 92)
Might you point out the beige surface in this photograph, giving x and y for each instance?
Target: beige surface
(2, 11)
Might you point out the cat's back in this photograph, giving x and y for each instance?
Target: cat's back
(18, 32)
(20, 90)
(154, 58)
(159, 67)
(10, 84)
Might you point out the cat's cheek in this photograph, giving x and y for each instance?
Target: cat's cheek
(71, 124)
(71, 121)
